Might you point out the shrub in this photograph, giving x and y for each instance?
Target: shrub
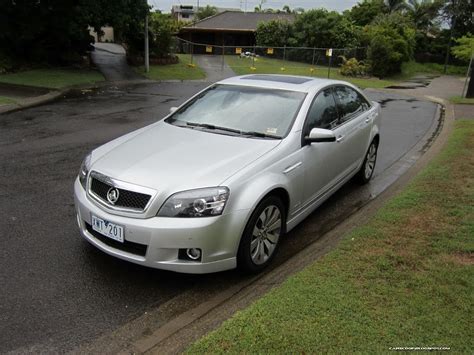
(391, 41)
(352, 67)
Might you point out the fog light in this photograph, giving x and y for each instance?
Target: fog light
(193, 253)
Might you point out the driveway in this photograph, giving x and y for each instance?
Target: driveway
(58, 292)
(110, 59)
(214, 66)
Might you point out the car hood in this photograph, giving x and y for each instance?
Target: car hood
(167, 157)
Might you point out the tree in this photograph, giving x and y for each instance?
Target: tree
(395, 5)
(52, 31)
(287, 9)
(274, 33)
(259, 8)
(56, 31)
(127, 17)
(458, 13)
(423, 13)
(205, 12)
(364, 12)
(465, 51)
(161, 28)
(465, 48)
(323, 29)
(391, 40)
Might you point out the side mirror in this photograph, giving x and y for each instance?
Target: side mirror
(173, 109)
(318, 135)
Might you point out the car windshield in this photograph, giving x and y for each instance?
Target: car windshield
(241, 110)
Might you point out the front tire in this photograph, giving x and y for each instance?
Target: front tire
(368, 166)
(261, 236)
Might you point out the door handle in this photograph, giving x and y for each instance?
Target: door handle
(340, 139)
(368, 119)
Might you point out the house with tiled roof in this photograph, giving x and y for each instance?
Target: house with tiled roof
(230, 28)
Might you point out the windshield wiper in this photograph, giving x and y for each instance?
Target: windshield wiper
(213, 127)
(232, 130)
(259, 135)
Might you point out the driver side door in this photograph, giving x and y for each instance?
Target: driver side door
(320, 168)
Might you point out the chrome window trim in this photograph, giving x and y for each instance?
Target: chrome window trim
(120, 185)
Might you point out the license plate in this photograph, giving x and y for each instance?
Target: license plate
(108, 229)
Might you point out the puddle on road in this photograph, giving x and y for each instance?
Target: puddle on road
(383, 103)
(415, 83)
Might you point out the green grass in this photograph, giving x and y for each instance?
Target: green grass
(461, 100)
(404, 279)
(263, 65)
(6, 100)
(410, 69)
(52, 78)
(180, 71)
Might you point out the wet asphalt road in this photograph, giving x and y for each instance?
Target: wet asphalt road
(57, 291)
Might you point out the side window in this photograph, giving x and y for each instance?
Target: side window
(350, 102)
(323, 112)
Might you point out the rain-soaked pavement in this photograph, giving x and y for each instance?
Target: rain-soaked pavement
(57, 291)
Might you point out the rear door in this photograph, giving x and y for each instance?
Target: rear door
(352, 132)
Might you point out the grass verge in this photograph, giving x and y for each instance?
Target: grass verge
(52, 78)
(6, 100)
(179, 71)
(412, 68)
(406, 279)
(263, 65)
(461, 100)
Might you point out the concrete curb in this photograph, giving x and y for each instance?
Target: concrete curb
(57, 94)
(31, 102)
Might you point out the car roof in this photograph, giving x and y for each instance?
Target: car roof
(281, 82)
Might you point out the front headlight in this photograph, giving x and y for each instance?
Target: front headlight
(84, 170)
(196, 203)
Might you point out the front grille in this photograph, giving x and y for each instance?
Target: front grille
(127, 199)
(127, 246)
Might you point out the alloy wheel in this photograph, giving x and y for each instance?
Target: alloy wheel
(370, 161)
(265, 235)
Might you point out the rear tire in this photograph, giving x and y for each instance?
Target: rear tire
(261, 236)
(366, 171)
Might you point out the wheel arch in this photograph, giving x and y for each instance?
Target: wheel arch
(376, 139)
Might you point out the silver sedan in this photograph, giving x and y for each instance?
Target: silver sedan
(217, 183)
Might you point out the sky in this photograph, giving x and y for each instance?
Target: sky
(337, 5)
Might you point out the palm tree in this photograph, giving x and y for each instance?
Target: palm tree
(260, 5)
(423, 12)
(395, 5)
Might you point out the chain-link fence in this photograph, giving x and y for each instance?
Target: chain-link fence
(292, 60)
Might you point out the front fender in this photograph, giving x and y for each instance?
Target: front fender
(254, 191)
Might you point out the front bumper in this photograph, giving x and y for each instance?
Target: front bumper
(161, 238)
